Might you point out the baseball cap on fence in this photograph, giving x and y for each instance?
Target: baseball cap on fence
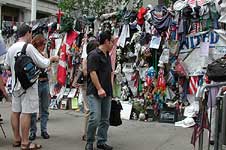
(179, 5)
(23, 29)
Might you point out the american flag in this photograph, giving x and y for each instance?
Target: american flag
(199, 128)
(193, 84)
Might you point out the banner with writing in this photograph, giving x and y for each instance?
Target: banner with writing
(194, 60)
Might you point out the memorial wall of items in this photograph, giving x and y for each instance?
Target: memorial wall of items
(159, 57)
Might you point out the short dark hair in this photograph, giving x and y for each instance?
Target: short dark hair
(23, 29)
(104, 35)
(93, 44)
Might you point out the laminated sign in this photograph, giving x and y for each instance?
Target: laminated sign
(155, 42)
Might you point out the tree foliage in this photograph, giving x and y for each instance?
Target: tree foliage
(94, 6)
(67, 5)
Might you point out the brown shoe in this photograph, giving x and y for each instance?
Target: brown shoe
(30, 146)
(16, 143)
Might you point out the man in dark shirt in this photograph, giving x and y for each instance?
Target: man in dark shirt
(99, 92)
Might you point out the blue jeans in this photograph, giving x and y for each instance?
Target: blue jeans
(44, 99)
(99, 118)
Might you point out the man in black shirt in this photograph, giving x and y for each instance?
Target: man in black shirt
(99, 92)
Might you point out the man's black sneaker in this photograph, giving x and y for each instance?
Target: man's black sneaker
(211, 142)
(104, 147)
(45, 135)
(89, 147)
(32, 136)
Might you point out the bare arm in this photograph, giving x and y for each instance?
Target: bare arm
(96, 83)
(84, 67)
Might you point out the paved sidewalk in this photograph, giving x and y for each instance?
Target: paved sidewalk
(65, 129)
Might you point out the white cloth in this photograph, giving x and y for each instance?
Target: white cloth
(147, 27)
(222, 11)
(124, 34)
(84, 51)
(212, 122)
(186, 123)
(31, 51)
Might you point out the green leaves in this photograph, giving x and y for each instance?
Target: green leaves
(67, 5)
(92, 6)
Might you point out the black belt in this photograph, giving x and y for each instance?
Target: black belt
(43, 80)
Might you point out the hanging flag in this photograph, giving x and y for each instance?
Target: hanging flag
(61, 69)
(71, 37)
(113, 54)
(193, 84)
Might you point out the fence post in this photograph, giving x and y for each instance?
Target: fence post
(217, 123)
(223, 130)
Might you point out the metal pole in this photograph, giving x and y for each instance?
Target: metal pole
(201, 122)
(223, 130)
(198, 98)
(216, 138)
(33, 9)
(201, 89)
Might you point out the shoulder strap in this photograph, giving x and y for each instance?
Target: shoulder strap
(23, 51)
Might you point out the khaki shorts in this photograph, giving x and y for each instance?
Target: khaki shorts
(28, 102)
(83, 97)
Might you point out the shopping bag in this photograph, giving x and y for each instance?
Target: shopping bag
(115, 117)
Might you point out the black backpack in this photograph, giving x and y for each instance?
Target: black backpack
(216, 71)
(25, 69)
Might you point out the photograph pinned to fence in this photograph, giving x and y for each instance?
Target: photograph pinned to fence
(155, 42)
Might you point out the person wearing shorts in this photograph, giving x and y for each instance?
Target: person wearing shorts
(24, 103)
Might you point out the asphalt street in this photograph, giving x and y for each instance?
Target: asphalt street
(65, 129)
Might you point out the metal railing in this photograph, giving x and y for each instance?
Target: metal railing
(220, 124)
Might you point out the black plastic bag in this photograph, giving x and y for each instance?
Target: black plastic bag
(216, 71)
(115, 117)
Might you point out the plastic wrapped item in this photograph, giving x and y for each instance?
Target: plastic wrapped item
(165, 56)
